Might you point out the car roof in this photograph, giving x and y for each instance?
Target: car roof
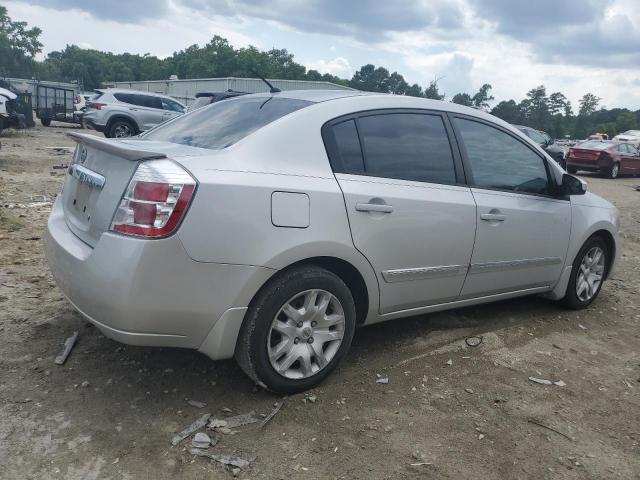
(137, 92)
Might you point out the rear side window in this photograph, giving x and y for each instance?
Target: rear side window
(148, 101)
(348, 146)
(125, 97)
(222, 124)
(500, 161)
(407, 146)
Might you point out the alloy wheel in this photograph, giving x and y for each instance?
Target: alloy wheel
(306, 334)
(590, 274)
(122, 131)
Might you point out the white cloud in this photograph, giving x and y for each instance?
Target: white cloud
(338, 66)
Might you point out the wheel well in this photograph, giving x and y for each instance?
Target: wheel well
(610, 243)
(349, 275)
(121, 117)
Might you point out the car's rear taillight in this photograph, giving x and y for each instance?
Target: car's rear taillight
(155, 201)
(96, 106)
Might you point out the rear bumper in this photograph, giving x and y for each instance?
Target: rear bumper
(587, 166)
(150, 292)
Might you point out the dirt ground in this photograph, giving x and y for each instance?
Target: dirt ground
(448, 411)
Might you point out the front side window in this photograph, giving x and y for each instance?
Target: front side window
(171, 105)
(407, 146)
(500, 161)
(225, 123)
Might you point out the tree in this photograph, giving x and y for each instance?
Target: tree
(18, 45)
(536, 109)
(509, 111)
(432, 91)
(588, 104)
(371, 79)
(463, 99)
(557, 103)
(481, 99)
(414, 90)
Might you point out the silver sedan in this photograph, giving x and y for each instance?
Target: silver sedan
(268, 227)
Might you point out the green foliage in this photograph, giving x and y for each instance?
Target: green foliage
(18, 46)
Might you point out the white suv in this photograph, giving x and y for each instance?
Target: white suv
(122, 113)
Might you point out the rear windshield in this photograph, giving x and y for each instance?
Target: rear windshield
(222, 124)
(594, 145)
(200, 102)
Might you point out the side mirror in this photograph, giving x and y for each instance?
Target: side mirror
(573, 185)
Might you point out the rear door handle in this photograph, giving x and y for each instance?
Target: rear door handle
(374, 207)
(493, 217)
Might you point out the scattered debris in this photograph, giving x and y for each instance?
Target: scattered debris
(469, 390)
(449, 362)
(62, 166)
(382, 380)
(473, 341)
(201, 440)
(60, 150)
(216, 423)
(541, 381)
(276, 408)
(420, 464)
(582, 327)
(227, 410)
(240, 420)
(230, 460)
(197, 425)
(310, 398)
(535, 422)
(195, 403)
(560, 383)
(68, 346)
(85, 384)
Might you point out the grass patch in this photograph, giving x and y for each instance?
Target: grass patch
(10, 222)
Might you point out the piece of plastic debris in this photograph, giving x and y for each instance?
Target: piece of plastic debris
(469, 390)
(224, 459)
(227, 410)
(312, 398)
(240, 420)
(449, 362)
(560, 383)
(383, 380)
(277, 406)
(68, 346)
(201, 440)
(582, 326)
(473, 341)
(195, 403)
(197, 425)
(541, 381)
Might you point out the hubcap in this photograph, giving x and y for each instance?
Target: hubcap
(306, 334)
(590, 274)
(614, 170)
(122, 131)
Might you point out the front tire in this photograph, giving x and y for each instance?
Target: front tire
(45, 122)
(297, 330)
(587, 274)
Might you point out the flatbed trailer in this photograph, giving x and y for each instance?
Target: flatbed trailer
(56, 104)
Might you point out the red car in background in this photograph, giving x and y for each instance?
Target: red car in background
(607, 157)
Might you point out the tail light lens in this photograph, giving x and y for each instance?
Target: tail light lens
(96, 106)
(155, 200)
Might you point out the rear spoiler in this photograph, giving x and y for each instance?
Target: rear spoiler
(115, 147)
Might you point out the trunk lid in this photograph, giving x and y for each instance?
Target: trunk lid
(585, 156)
(98, 176)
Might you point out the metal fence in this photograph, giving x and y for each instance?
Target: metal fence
(185, 90)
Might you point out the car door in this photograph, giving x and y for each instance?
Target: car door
(629, 159)
(171, 109)
(410, 214)
(149, 111)
(523, 229)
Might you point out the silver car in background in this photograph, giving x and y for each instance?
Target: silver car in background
(269, 226)
(120, 113)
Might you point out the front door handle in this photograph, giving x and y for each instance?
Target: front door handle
(493, 217)
(374, 207)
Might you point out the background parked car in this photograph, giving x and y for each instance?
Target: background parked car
(205, 98)
(124, 113)
(546, 142)
(605, 156)
(631, 136)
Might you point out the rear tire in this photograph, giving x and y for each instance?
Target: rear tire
(613, 171)
(45, 122)
(266, 353)
(578, 298)
(121, 129)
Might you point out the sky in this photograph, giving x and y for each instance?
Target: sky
(572, 46)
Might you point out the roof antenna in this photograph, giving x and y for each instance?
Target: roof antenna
(272, 89)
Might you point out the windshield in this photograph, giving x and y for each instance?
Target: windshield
(222, 124)
(200, 102)
(594, 145)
